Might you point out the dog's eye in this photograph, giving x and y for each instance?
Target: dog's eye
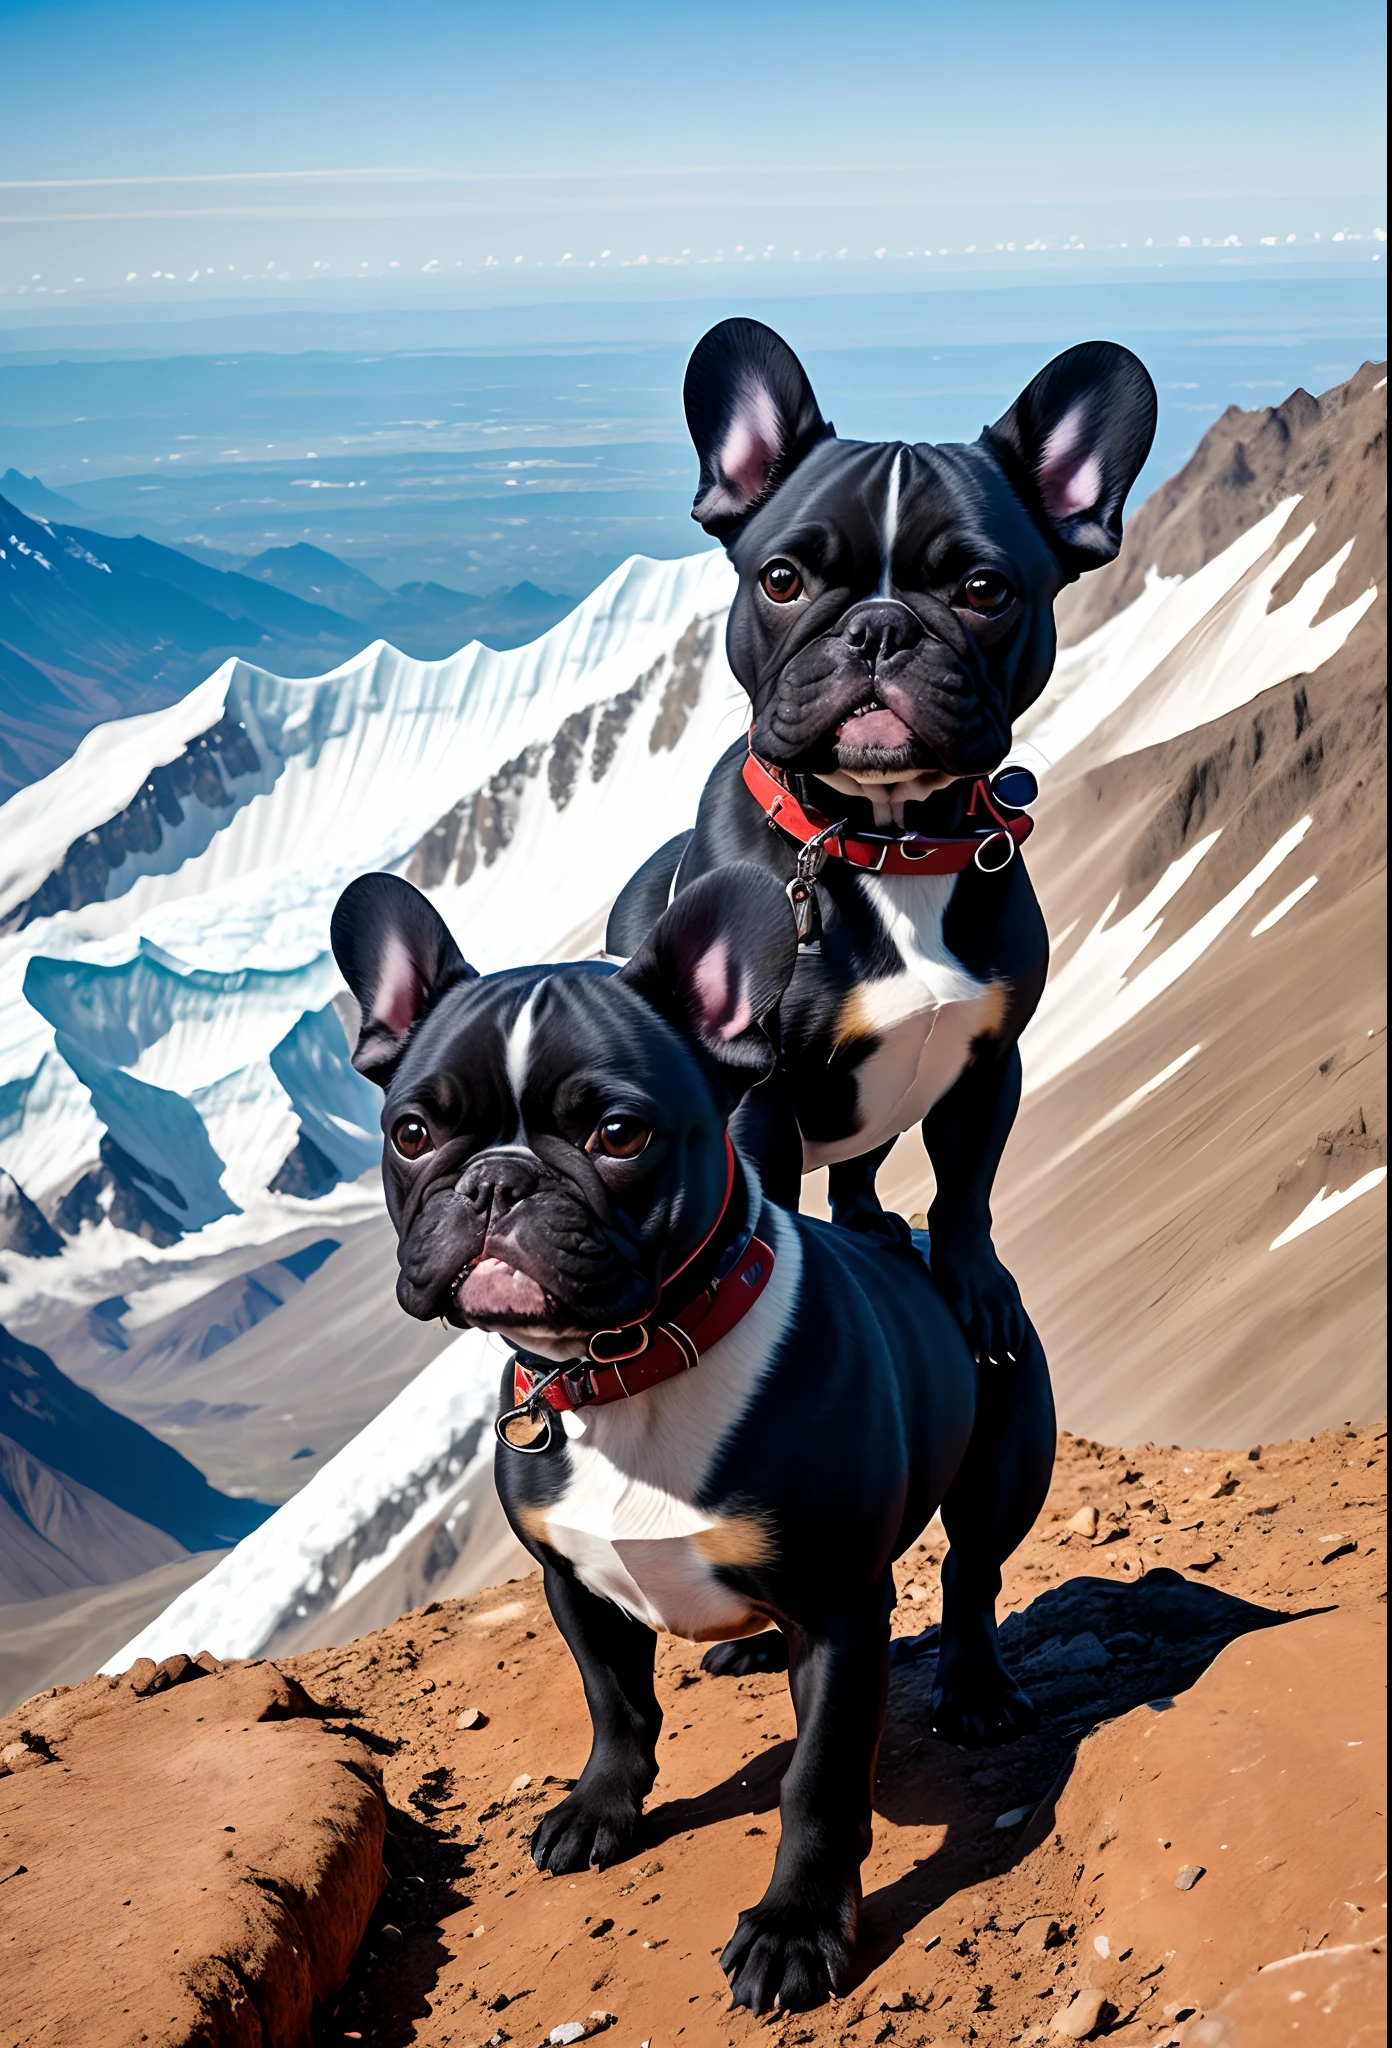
(985, 591)
(620, 1137)
(411, 1138)
(781, 582)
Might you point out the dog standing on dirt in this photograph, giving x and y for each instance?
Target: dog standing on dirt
(720, 1414)
(894, 616)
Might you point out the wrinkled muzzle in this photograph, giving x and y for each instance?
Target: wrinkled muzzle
(512, 1242)
(885, 691)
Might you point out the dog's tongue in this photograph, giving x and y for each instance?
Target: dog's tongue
(879, 728)
(494, 1288)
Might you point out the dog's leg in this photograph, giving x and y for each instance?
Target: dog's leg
(965, 1136)
(767, 1651)
(989, 1508)
(598, 1821)
(854, 1202)
(765, 1128)
(794, 1948)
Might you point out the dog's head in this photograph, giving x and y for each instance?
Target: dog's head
(555, 1136)
(895, 605)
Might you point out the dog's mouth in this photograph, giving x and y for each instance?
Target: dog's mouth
(493, 1291)
(873, 747)
(874, 730)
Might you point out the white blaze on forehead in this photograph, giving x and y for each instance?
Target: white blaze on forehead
(752, 441)
(519, 1045)
(1070, 474)
(890, 529)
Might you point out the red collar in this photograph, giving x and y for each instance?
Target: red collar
(640, 1355)
(991, 847)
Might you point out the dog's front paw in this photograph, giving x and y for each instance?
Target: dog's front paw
(977, 1704)
(594, 1825)
(789, 1956)
(767, 1651)
(982, 1295)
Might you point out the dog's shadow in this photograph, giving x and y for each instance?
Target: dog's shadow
(1087, 1651)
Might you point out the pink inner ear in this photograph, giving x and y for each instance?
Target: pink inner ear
(1070, 475)
(752, 442)
(725, 1011)
(399, 991)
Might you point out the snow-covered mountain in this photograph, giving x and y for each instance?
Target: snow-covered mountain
(176, 1101)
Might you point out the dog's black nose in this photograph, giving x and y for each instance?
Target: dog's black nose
(879, 628)
(498, 1180)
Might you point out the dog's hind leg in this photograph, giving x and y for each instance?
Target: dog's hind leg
(767, 1651)
(854, 1202)
(598, 1821)
(988, 1509)
(794, 1948)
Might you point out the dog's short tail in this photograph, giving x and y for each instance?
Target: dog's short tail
(643, 898)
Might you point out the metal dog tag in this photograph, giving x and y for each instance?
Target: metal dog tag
(807, 913)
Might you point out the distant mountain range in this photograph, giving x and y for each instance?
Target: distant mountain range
(86, 1495)
(99, 626)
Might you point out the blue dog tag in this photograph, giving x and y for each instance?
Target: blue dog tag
(1015, 788)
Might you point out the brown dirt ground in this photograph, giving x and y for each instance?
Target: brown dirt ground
(972, 1930)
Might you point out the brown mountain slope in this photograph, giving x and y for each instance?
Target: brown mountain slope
(1327, 449)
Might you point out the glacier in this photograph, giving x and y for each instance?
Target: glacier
(175, 1089)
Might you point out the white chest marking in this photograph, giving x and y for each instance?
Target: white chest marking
(628, 1520)
(925, 1017)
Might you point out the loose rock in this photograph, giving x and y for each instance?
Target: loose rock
(1189, 1875)
(1083, 1653)
(21, 1756)
(1037, 1934)
(1013, 1818)
(1082, 2017)
(1084, 1523)
(569, 2030)
(471, 1718)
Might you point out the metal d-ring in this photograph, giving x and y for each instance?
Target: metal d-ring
(635, 1350)
(535, 1401)
(994, 839)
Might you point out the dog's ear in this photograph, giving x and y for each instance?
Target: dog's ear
(396, 955)
(717, 963)
(1075, 440)
(752, 415)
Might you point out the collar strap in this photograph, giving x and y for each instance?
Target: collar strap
(667, 1341)
(992, 846)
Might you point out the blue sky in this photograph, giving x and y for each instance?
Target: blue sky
(295, 144)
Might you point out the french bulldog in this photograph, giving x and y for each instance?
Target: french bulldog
(893, 618)
(719, 1414)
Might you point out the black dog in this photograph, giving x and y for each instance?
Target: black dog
(800, 1400)
(894, 617)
